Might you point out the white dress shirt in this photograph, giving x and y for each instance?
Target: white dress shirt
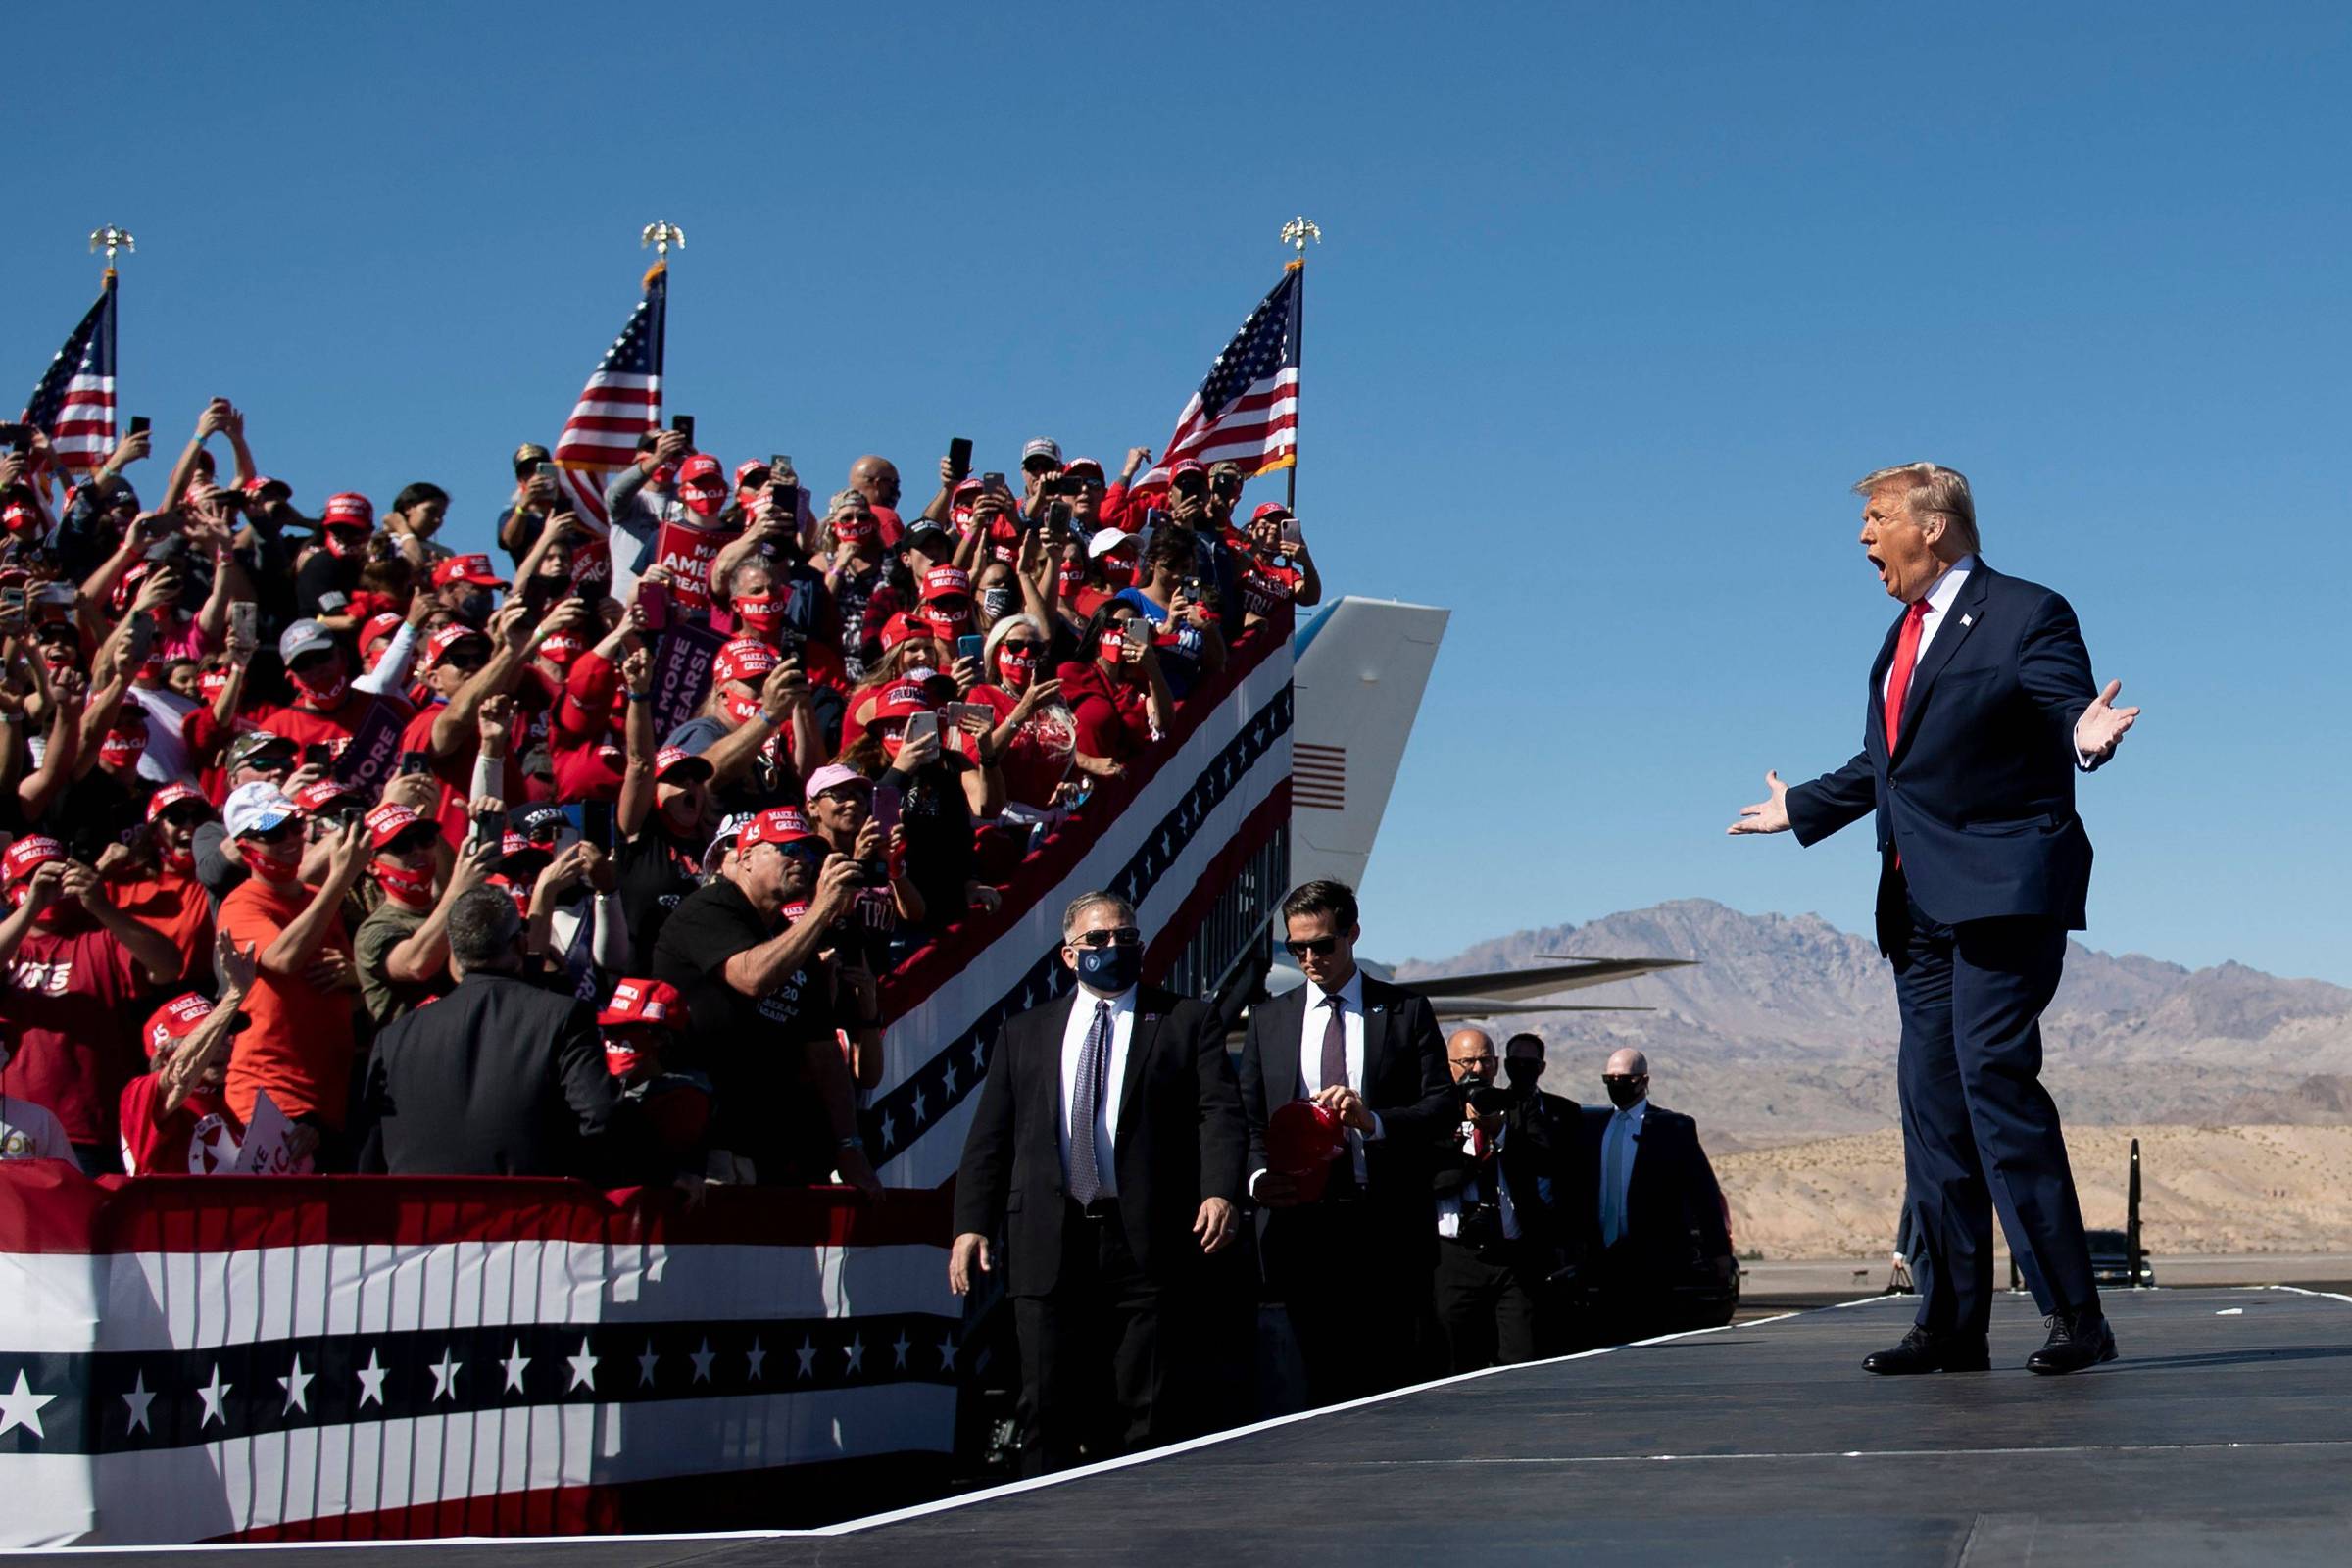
(1310, 1055)
(1449, 1206)
(1617, 1149)
(1107, 1105)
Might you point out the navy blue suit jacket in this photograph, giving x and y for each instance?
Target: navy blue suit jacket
(1978, 795)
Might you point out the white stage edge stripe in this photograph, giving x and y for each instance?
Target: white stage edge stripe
(916, 1039)
(54, 1302)
(170, 1496)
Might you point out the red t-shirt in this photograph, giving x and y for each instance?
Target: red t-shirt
(1039, 757)
(199, 1139)
(303, 727)
(298, 1043)
(1267, 588)
(1113, 718)
(73, 1014)
(175, 906)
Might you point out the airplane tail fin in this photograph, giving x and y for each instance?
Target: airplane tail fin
(1362, 666)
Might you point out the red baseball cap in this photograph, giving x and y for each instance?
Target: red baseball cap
(1187, 466)
(699, 468)
(475, 569)
(1076, 464)
(906, 626)
(28, 854)
(175, 1021)
(22, 517)
(389, 821)
(379, 627)
(348, 510)
(1302, 1138)
(262, 482)
(439, 644)
(1269, 508)
(746, 659)
(743, 471)
(646, 1002)
(941, 582)
(902, 699)
(317, 797)
(172, 795)
(778, 824)
(670, 758)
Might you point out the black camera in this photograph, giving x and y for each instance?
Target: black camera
(1482, 1224)
(870, 873)
(1063, 483)
(1485, 1098)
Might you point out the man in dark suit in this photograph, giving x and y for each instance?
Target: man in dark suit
(1352, 1266)
(1523, 1071)
(1657, 1215)
(499, 1077)
(1107, 1149)
(1505, 1185)
(1979, 713)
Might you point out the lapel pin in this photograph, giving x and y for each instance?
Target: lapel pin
(1968, 621)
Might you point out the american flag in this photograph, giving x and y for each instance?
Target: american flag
(74, 402)
(622, 401)
(1247, 408)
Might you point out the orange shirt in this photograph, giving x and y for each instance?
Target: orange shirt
(299, 1043)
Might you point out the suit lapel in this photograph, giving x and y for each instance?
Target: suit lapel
(1960, 618)
(1376, 1034)
(1150, 1013)
(1876, 708)
(1053, 1022)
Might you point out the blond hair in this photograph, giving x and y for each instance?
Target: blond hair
(1928, 487)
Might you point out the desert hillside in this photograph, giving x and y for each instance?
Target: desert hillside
(2267, 1189)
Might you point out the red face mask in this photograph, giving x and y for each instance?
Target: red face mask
(1016, 665)
(325, 686)
(407, 886)
(761, 614)
(1120, 571)
(345, 542)
(211, 684)
(1113, 647)
(121, 752)
(741, 709)
(183, 861)
(518, 892)
(272, 862)
(704, 499)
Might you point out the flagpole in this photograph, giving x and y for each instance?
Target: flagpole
(1295, 233)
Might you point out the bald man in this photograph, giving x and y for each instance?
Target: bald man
(1664, 1241)
(876, 479)
(1503, 1226)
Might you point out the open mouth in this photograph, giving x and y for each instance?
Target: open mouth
(1879, 566)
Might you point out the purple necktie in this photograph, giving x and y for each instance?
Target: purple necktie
(1086, 1178)
(1334, 1044)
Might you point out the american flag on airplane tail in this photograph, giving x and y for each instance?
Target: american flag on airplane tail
(74, 402)
(1247, 408)
(622, 401)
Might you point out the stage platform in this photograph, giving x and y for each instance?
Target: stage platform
(2225, 1434)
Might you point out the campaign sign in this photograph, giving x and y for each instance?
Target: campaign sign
(682, 674)
(368, 760)
(269, 1143)
(688, 554)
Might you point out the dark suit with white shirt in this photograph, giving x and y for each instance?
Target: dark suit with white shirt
(1983, 869)
(1354, 1267)
(1095, 1286)
(1508, 1218)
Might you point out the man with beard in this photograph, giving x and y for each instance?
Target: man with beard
(298, 1044)
(74, 970)
(764, 1007)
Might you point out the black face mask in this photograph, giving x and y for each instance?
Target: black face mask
(474, 607)
(1522, 1072)
(1626, 1096)
(1110, 970)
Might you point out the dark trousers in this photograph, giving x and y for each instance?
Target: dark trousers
(1092, 1369)
(1979, 1132)
(1486, 1303)
(1357, 1293)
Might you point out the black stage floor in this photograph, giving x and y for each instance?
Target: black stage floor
(2225, 1434)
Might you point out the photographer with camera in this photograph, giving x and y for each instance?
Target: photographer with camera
(1502, 1229)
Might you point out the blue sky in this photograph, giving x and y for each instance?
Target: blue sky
(1616, 302)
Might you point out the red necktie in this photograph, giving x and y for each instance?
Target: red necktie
(1898, 680)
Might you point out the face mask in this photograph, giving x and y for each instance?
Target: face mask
(996, 603)
(211, 684)
(1625, 1096)
(272, 862)
(705, 501)
(121, 752)
(322, 691)
(475, 609)
(1016, 664)
(762, 615)
(515, 890)
(1115, 570)
(404, 885)
(1114, 646)
(1110, 970)
(742, 709)
(183, 861)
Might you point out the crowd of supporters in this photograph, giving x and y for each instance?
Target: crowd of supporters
(442, 864)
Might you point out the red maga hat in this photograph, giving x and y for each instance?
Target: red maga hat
(1302, 1138)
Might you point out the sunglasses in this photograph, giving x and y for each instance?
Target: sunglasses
(1624, 1077)
(186, 817)
(1313, 946)
(277, 834)
(1121, 936)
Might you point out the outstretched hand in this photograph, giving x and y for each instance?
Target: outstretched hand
(2102, 724)
(1768, 815)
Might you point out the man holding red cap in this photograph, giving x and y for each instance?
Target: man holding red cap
(75, 965)
(174, 1120)
(765, 1004)
(1106, 1152)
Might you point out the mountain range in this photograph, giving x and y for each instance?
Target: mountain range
(1786, 1029)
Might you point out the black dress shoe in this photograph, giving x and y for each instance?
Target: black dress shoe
(1925, 1352)
(2077, 1340)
